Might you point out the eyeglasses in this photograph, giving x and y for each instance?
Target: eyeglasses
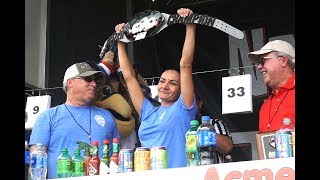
(262, 60)
(89, 78)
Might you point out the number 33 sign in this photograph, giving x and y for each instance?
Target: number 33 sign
(237, 94)
(35, 106)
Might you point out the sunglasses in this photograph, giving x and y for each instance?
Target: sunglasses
(263, 60)
(89, 78)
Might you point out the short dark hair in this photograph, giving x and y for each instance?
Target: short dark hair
(173, 69)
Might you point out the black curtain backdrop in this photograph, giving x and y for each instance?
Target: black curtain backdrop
(163, 51)
(76, 28)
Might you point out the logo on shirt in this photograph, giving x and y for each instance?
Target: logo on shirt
(162, 115)
(100, 120)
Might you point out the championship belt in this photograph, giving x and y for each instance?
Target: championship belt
(151, 22)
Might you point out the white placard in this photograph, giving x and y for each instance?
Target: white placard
(237, 94)
(280, 168)
(35, 106)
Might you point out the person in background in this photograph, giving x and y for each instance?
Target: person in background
(223, 137)
(276, 62)
(224, 140)
(200, 108)
(75, 120)
(167, 124)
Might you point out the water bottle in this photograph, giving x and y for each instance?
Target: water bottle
(64, 164)
(206, 142)
(38, 163)
(191, 144)
(283, 139)
(26, 159)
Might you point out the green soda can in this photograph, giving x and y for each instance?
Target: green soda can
(159, 158)
(78, 164)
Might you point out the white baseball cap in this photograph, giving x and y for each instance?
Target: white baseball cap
(276, 45)
(82, 69)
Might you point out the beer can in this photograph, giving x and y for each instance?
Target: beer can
(126, 160)
(159, 157)
(141, 159)
(283, 144)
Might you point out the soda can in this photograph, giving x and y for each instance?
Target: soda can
(293, 137)
(283, 143)
(141, 159)
(126, 160)
(159, 157)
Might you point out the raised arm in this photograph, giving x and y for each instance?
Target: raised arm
(187, 87)
(133, 86)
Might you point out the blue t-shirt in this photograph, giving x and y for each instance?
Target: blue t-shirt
(57, 129)
(167, 126)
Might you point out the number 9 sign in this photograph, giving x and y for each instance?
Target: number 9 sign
(237, 94)
(35, 106)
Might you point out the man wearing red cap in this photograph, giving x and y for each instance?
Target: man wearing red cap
(276, 62)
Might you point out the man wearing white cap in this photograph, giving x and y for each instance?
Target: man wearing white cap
(276, 62)
(75, 120)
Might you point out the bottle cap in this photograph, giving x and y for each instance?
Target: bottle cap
(95, 143)
(286, 120)
(205, 118)
(115, 140)
(194, 123)
(106, 141)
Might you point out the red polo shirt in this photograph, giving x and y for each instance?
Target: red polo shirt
(278, 106)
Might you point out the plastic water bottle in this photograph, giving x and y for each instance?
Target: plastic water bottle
(206, 142)
(191, 144)
(64, 164)
(26, 159)
(286, 126)
(283, 139)
(38, 163)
